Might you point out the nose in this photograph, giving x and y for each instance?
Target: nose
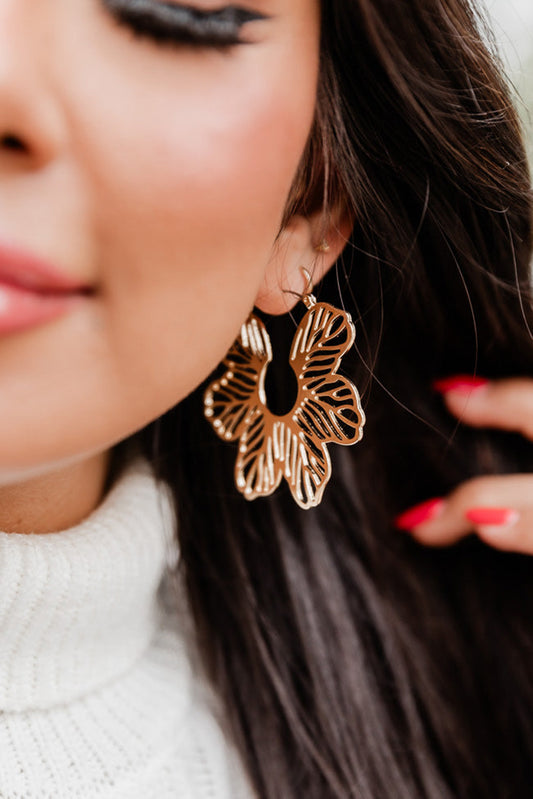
(31, 126)
(29, 133)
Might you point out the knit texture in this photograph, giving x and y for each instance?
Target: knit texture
(99, 694)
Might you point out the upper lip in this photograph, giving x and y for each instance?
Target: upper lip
(23, 269)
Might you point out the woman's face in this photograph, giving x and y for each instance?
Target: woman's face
(156, 172)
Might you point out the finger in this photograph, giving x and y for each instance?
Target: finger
(506, 403)
(443, 520)
(513, 531)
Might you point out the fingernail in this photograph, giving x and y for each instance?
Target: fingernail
(493, 516)
(419, 513)
(464, 383)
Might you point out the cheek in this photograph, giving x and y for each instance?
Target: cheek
(187, 207)
(220, 153)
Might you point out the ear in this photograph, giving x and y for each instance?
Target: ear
(297, 246)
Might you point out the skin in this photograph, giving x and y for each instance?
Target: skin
(171, 215)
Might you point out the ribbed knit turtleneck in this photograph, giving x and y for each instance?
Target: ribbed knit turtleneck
(98, 697)
(78, 607)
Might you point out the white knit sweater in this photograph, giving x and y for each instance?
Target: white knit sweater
(99, 693)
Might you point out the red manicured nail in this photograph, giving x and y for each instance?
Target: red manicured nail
(419, 513)
(464, 383)
(495, 516)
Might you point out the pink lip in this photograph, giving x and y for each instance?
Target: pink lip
(32, 291)
(18, 268)
(21, 309)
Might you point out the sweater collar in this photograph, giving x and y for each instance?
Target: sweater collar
(79, 607)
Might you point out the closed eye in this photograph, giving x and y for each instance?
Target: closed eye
(178, 24)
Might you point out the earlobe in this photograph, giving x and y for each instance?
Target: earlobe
(302, 243)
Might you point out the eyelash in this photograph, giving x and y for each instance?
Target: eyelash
(168, 23)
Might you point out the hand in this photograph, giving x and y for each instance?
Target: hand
(498, 508)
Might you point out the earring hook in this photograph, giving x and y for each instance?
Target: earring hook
(308, 297)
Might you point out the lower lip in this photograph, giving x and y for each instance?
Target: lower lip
(21, 309)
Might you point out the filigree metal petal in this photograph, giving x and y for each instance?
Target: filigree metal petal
(258, 470)
(229, 401)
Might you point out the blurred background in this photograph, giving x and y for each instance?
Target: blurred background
(512, 23)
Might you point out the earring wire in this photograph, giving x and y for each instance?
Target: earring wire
(308, 297)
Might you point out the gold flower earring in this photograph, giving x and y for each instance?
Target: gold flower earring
(327, 408)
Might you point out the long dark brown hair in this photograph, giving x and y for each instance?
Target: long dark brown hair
(350, 660)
